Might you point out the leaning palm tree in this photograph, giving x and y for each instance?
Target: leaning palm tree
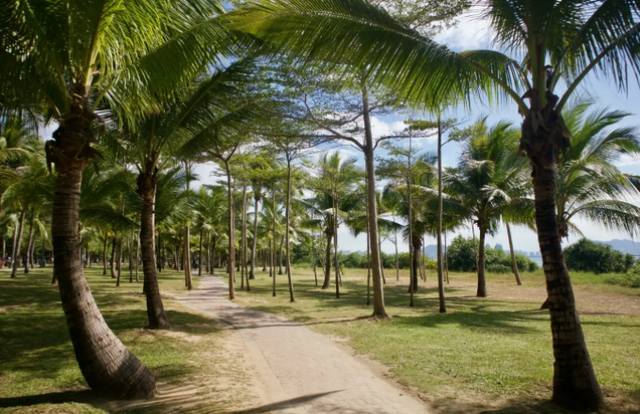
(74, 58)
(560, 40)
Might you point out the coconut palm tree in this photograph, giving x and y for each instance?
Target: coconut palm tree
(560, 40)
(75, 58)
(490, 178)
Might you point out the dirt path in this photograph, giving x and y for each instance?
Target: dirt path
(301, 371)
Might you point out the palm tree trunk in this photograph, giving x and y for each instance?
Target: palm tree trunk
(336, 264)
(119, 258)
(379, 310)
(327, 260)
(28, 261)
(313, 257)
(13, 246)
(292, 297)
(441, 299)
(245, 242)
(368, 264)
(108, 367)
(232, 247)
(395, 243)
(156, 315)
(482, 282)
(104, 254)
(17, 244)
(200, 254)
(574, 380)
(213, 254)
(208, 260)
(514, 263)
(254, 244)
(4, 245)
(113, 257)
(137, 257)
(280, 255)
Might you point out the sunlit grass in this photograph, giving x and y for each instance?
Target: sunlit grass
(490, 348)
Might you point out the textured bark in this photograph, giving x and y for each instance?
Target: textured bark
(482, 281)
(335, 242)
(156, 315)
(379, 310)
(17, 244)
(108, 367)
(514, 263)
(245, 269)
(574, 381)
(119, 259)
(292, 297)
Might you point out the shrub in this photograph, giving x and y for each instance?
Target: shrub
(630, 279)
(588, 256)
(462, 258)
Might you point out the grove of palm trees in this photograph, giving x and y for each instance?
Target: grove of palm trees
(290, 206)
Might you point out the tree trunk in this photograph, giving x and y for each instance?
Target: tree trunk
(113, 257)
(514, 263)
(213, 255)
(42, 254)
(335, 240)
(104, 254)
(280, 255)
(200, 254)
(574, 381)
(137, 257)
(156, 315)
(368, 264)
(416, 264)
(482, 282)
(441, 299)
(27, 260)
(327, 260)
(313, 257)
(13, 246)
(232, 243)
(254, 242)
(243, 239)
(108, 367)
(119, 258)
(379, 310)
(17, 244)
(292, 297)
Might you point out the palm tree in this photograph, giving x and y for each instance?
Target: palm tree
(559, 39)
(334, 180)
(74, 58)
(485, 184)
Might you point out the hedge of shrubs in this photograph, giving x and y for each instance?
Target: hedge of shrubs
(462, 258)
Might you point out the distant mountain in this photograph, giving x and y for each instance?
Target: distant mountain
(624, 246)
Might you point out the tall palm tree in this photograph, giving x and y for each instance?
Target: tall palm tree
(484, 185)
(75, 57)
(560, 40)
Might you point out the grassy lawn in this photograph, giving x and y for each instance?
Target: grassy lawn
(38, 370)
(484, 354)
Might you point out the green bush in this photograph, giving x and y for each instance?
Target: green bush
(462, 258)
(630, 279)
(589, 256)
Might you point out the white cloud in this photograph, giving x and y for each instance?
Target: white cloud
(470, 33)
(627, 160)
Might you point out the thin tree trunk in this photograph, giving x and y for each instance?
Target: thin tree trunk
(27, 260)
(413, 280)
(208, 259)
(241, 263)
(213, 255)
(245, 268)
(18, 243)
(254, 243)
(200, 254)
(514, 263)
(327, 260)
(156, 315)
(379, 310)
(232, 247)
(13, 246)
(482, 282)
(113, 257)
(108, 367)
(441, 298)
(273, 251)
(104, 254)
(119, 258)
(335, 239)
(42, 254)
(280, 255)
(313, 257)
(137, 257)
(292, 297)
(574, 381)
(368, 264)
(131, 258)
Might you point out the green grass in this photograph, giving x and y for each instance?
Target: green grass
(488, 348)
(37, 363)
